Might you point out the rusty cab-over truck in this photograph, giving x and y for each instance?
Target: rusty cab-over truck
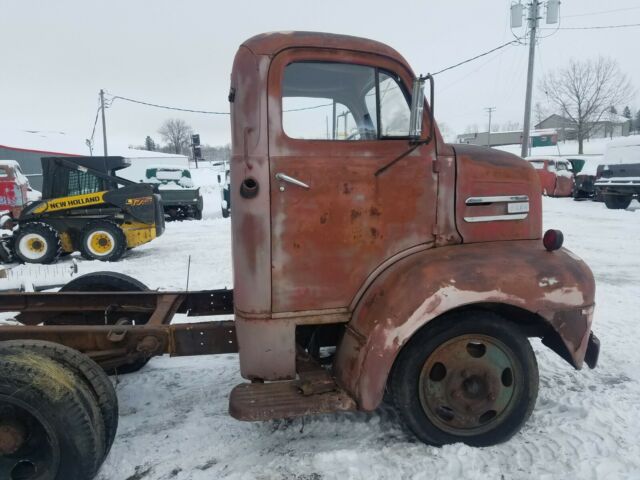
(368, 255)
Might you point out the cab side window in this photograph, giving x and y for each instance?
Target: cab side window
(338, 101)
(83, 182)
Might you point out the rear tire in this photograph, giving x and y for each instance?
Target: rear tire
(89, 371)
(470, 377)
(108, 282)
(37, 242)
(47, 427)
(617, 202)
(103, 240)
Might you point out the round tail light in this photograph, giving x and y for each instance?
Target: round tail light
(552, 240)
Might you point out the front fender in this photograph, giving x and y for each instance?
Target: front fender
(556, 286)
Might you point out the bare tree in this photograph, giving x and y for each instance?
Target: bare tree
(585, 90)
(540, 112)
(511, 126)
(446, 132)
(176, 133)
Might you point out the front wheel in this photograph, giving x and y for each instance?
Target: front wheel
(37, 242)
(471, 377)
(617, 202)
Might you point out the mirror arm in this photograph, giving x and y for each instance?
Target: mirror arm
(416, 143)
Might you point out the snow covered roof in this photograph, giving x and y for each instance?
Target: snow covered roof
(60, 143)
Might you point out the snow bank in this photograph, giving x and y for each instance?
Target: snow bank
(173, 414)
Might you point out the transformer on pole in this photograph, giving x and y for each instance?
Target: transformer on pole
(532, 17)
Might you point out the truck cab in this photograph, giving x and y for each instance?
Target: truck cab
(14, 188)
(352, 232)
(556, 176)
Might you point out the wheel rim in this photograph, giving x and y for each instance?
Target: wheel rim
(33, 246)
(29, 449)
(468, 383)
(100, 243)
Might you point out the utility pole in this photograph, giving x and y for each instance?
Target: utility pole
(104, 126)
(490, 110)
(533, 27)
(552, 8)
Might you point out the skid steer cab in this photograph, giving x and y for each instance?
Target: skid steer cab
(84, 207)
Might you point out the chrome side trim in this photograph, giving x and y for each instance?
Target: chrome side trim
(495, 199)
(493, 218)
(517, 207)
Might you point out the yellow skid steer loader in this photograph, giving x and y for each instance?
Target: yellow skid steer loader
(85, 207)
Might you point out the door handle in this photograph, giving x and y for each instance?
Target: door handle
(286, 178)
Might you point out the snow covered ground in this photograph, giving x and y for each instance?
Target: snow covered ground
(586, 425)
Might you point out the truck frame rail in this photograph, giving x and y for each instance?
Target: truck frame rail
(120, 328)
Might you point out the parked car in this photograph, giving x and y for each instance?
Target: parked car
(584, 175)
(555, 176)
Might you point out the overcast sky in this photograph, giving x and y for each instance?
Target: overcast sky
(56, 55)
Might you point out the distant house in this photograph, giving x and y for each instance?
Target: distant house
(28, 147)
(609, 126)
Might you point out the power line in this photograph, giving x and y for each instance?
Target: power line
(308, 108)
(512, 42)
(166, 107)
(601, 12)
(597, 27)
(149, 104)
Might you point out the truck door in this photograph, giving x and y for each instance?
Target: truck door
(334, 122)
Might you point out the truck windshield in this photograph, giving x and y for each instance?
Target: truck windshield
(337, 101)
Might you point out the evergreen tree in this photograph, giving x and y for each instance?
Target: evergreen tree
(636, 124)
(626, 112)
(149, 144)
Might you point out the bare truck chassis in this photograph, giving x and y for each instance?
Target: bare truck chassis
(116, 342)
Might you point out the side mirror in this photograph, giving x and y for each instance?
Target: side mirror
(417, 109)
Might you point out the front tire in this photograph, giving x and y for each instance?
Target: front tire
(37, 242)
(470, 377)
(617, 202)
(103, 240)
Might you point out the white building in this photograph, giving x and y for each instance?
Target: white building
(28, 147)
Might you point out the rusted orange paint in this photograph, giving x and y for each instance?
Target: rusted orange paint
(392, 251)
(555, 285)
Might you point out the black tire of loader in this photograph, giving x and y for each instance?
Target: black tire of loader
(85, 368)
(114, 230)
(58, 406)
(405, 375)
(54, 246)
(110, 282)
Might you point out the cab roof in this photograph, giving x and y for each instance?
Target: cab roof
(274, 42)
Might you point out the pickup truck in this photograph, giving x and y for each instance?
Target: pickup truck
(180, 199)
(617, 185)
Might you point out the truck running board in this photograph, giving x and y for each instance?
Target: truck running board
(268, 401)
